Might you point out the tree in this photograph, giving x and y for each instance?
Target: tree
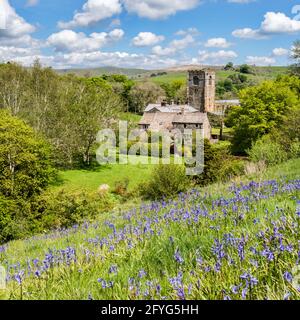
(229, 66)
(295, 68)
(262, 109)
(245, 68)
(144, 93)
(25, 164)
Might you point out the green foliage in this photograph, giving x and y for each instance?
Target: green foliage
(12, 219)
(144, 93)
(295, 68)
(268, 151)
(25, 164)
(229, 66)
(166, 181)
(195, 224)
(232, 85)
(175, 91)
(121, 187)
(262, 109)
(245, 68)
(219, 164)
(67, 208)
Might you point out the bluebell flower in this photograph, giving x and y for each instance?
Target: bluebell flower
(177, 256)
(287, 276)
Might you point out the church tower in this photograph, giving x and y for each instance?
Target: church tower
(201, 89)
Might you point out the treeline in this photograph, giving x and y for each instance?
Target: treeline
(271, 108)
(66, 110)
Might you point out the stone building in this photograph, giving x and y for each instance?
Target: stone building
(193, 115)
(201, 89)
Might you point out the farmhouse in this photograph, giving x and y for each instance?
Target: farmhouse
(193, 115)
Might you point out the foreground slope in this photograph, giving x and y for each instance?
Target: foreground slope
(234, 241)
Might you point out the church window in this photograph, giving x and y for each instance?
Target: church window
(196, 81)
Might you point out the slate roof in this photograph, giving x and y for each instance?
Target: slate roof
(174, 108)
(232, 102)
(195, 117)
(161, 118)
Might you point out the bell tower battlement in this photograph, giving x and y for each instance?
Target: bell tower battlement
(201, 89)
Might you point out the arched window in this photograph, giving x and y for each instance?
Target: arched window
(210, 80)
(196, 81)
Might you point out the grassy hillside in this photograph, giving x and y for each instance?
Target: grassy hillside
(221, 242)
(261, 73)
(90, 180)
(130, 72)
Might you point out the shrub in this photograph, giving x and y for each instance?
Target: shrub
(166, 181)
(16, 219)
(121, 187)
(24, 159)
(219, 164)
(65, 208)
(268, 151)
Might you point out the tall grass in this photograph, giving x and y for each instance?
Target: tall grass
(234, 241)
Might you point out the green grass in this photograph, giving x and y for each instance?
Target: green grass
(90, 180)
(146, 245)
(261, 74)
(130, 117)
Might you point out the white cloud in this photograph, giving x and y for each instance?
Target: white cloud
(92, 12)
(70, 41)
(31, 3)
(217, 57)
(159, 51)
(192, 31)
(158, 9)
(144, 39)
(278, 52)
(273, 23)
(279, 23)
(217, 43)
(174, 46)
(180, 44)
(248, 33)
(16, 26)
(115, 23)
(260, 61)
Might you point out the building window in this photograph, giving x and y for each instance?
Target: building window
(185, 126)
(210, 80)
(196, 81)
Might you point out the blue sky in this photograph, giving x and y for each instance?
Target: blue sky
(148, 33)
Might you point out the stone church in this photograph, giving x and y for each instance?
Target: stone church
(193, 115)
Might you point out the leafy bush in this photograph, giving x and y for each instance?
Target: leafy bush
(121, 187)
(25, 164)
(65, 208)
(166, 181)
(13, 216)
(267, 150)
(219, 164)
(263, 109)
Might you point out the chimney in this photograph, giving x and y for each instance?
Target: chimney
(163, 103)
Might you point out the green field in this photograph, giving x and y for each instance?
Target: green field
(261, 73)
(214, 243)
(90, 180)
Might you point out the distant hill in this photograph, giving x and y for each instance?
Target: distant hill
(174, 73)
(130, 72)
(180, 73)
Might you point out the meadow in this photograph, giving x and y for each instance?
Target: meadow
(238, 240)
(261, 74)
